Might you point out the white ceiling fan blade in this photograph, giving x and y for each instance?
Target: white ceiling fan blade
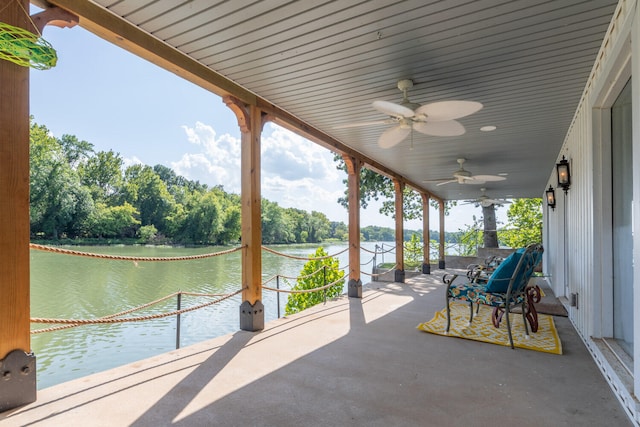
(393, 136)
(486, 178)
(391, 109)
(472, 180)
(447, 182)
(371, 123)
(448, 110)
(445, 128)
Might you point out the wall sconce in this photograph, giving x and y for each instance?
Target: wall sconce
(564, 175)
(551, 198)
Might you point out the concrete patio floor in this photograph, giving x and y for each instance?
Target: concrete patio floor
(351, 362)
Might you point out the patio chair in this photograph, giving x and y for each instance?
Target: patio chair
(482, 272)
(505, 289)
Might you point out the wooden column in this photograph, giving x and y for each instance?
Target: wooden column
(353, 169)
(17, 381)
(426, 263)
(399, 190)
(441, 247)
(250, 120)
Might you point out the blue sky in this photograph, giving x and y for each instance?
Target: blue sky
(117, 101)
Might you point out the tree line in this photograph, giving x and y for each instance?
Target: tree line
(79, 193)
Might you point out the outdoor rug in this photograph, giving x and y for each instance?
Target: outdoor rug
(481, 329)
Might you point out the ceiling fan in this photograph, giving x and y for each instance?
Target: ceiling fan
(435, 119)
(463, 176)
(486, 201)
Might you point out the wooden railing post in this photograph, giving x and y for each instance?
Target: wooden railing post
(17, 363)
(399, 205)
(250, 121)
(426, 263)
(354, 287)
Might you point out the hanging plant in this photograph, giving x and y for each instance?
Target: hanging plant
(25, 48)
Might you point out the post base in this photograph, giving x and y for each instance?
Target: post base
(399, 276)
(251, 316)
(354, 288)
(17, 380)
(426, 268)
(441, 265)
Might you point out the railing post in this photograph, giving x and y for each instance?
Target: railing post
(178, 320)
(324, 281)
(278, 293)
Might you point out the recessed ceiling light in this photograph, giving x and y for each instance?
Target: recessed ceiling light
(488, 128)
(503, 174)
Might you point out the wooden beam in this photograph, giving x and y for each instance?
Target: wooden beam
(14, 194)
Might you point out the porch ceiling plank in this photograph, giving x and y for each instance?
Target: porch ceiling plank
(320, 64)
(442, 39)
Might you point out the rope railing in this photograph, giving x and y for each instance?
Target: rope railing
(303, 258)
(113, 318)
(378, 274)
(376, 251)
(305, 291)
(130, 258)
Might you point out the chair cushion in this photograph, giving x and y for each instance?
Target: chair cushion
(499, 280)
(475, 293)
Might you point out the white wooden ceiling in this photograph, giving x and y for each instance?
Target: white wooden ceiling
(325, 61)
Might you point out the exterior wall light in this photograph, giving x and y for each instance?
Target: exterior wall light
(564, 175)
(551, 198)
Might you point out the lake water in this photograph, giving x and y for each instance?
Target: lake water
(71, 287)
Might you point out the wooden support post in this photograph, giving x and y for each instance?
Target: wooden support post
(17, 363)
(426, 263)
(353, 169)
(399, 190)
(441, 247)
(250, 121)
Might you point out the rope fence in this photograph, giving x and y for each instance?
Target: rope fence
(304, 258)
(130, 258)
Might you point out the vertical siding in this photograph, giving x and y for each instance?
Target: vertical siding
(578, 245)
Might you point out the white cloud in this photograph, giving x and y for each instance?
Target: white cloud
(217, 160)
(130, 161)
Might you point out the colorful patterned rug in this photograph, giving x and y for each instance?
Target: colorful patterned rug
(481, 329)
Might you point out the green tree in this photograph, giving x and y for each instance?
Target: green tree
(470, 238)
(524, 223)
(319, 227)
(275, 224)
(149, 195)
(413, 252)
(202, 219)
(75, 151)
(374, 186)
(58, 202)
(102, 175)
(114, 221)
(339, 230)
(321, 272)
